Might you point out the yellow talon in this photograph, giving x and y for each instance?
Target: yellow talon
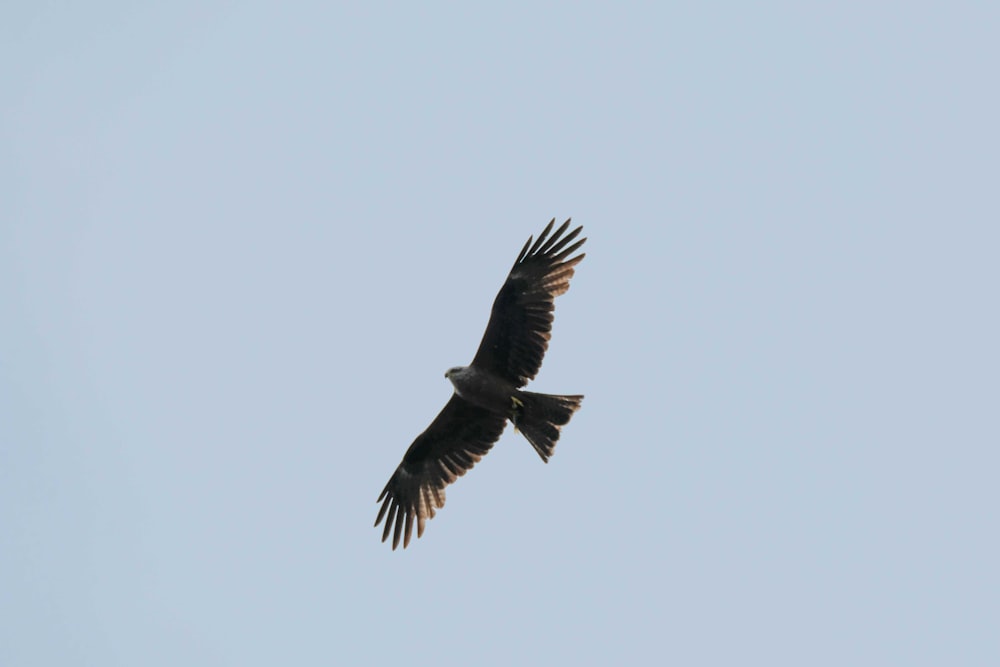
(517, 406)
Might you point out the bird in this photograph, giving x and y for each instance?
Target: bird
(488, 392)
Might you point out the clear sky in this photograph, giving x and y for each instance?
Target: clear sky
(240, 243)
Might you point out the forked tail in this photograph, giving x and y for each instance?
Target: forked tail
(540, 416)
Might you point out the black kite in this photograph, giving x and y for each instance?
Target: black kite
(488, 391)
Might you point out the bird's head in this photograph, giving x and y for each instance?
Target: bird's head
(453, 371)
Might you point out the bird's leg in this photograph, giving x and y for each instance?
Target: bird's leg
(516, 410)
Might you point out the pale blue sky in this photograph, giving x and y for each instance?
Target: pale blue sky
(240, 243)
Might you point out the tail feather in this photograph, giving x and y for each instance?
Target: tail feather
(540, 416)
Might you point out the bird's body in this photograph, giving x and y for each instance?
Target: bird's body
(488, 391)
(482, 388)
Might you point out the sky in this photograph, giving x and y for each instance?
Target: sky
(240, 243)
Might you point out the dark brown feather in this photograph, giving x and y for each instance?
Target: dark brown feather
(520, 326)
(458, 437)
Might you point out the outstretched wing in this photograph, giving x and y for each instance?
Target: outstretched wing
(521, 322)
(458, 437)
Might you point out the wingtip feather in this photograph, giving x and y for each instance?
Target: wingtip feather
(542, 237)
(547, 248)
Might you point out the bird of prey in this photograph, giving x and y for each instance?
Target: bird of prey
(488, 391)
